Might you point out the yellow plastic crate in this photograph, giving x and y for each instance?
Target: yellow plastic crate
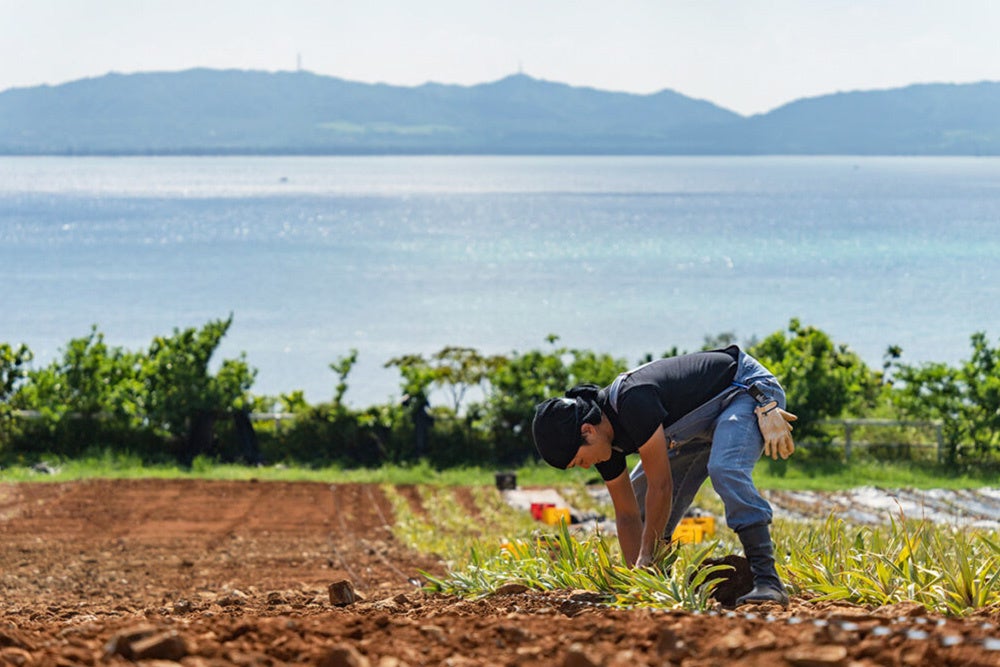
(688, 534)
(707, 524)
(555, 515)
(693, 530)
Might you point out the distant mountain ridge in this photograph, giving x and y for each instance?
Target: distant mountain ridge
(203, 111)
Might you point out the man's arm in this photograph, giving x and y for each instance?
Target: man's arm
(659, 494)
(628, 520)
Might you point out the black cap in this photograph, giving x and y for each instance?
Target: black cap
(556, 427)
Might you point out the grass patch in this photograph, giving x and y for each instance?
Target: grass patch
(802, 475)
(838, 476)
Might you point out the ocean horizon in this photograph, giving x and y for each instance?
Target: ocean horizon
(315, 256)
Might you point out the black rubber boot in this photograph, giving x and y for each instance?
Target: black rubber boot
(759, 550)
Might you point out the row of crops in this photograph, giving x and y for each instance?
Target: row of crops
(945, 569)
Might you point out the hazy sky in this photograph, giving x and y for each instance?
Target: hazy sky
(746, 55)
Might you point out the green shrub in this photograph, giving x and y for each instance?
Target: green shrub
(145, 403)
(163, 404)
(965, 398)
(822, 380)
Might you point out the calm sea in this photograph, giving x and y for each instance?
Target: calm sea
(397, 255)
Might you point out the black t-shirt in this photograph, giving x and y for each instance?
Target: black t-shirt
(659, 393)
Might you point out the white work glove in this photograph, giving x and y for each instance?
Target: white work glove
(776, 428)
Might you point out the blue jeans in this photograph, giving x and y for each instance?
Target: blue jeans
(725, 449)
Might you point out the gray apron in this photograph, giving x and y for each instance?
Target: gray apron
(697, 425)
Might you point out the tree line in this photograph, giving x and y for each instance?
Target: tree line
(164, 404)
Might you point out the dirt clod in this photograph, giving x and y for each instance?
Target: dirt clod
(511, 589)
(343, 656)
(817, 656)
(15, 656)
(737, 579)
(342, 593)
(576, 656)
(122, 643)
(163, 646)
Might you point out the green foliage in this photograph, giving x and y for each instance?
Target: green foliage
(295, 401)
(571, 484)
(13, 362)
(947, 570)
(154, 402)
(556, 559)
(12, 371)
(97, 396)
(342, 367)
(821, 379)
(177, 381)
(965, 398)
(497, 428)
(323, 435)
(110, 464)
(943, 568)
(76, 382)
(91, 394)
(330, 433)
(518, 385)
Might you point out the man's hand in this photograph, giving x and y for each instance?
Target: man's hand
(776, 428)
(659, 558)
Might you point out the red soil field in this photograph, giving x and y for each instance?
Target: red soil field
(167, 572)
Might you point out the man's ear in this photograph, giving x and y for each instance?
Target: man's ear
(586, 430)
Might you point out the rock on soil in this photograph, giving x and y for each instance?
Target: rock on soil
(342, 593)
